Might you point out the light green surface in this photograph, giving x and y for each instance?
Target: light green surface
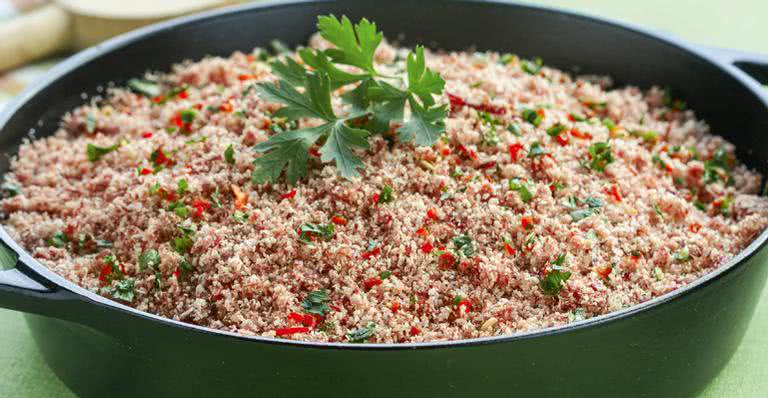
(739, 24)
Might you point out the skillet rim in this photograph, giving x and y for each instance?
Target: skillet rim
(77, 60)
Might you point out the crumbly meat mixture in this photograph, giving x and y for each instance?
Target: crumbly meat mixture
(518, 219)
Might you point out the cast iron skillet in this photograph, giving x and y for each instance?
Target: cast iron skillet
(670, 346)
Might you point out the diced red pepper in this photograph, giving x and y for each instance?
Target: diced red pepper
(488, 165)
(695, 227)
(432, 214)
(177, 272)
(244, 77)
(106, 270)
(145, 171)
(427, 248)
(421, 231)
(309, 320)
(562, 139)
(613, 191)
(578, 134)
(464, 304)
(395, 307)
(339, 220)
(604, 271)
(526, 222)
(446, 261)
(226, 107)
(314, 152)
(375, 199)
(415, 331)
(183, 94)
(290, 331)
(445, 151)
(200, 206)
(288, 195)
(514, 150)
(146, 134)
(375, 252)
(371, 282)
(509, 249)
(295, 317)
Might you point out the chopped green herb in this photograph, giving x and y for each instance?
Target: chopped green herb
(716, 168)
(609, 124)
(724, 206)
(578, 118)
(580, 214)
(316, 302)
(144, 87)
(576, 315)
(556, 129)
(386, 195)
(95, 153)
(658, 274)
(514, 129)
(309, 232)
(506, 58)
(188, 115)
(699, 205)
(122, 290)
(385, 274)
(59, 239)
(531, 67)
(229, 154)
(553, 281)
(522, 188)
(241, 217)
(10, 190)
(182, 244)
(463, 246)
(559, 260)
(600, 152)
(363, 334)
(149, 259)
(215, 198)
(185, 268)
(658, 211)
(682, 255)
(536, 150)
(531, 116)
(182, 186)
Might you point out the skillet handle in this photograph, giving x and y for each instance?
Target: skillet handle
(753, 64)
(22, 289)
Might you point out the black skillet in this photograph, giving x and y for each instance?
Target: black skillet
(670, 346)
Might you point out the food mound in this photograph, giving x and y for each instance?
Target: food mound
(354, 191)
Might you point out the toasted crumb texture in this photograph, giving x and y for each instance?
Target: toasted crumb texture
(458, 252)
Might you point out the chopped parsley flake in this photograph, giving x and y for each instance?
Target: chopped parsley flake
(536, 150)
(522, 188)
(122, 290)
(240, 216)
(363, 334)
(95, 153)
(229, 154)
(386, 195)
(463, 246)
(309, 232)
(149, 259)
(600, 152)
(553, 282)
(316, 302)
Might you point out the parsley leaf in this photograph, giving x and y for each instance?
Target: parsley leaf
(95, 153)
(316, 303)
(386, 195)
(463, 246)
(310, 232)
(600, 152)
(122, 290)
(229, 154)
(425, 124)
(382, 103)
(553, 282)
(149, 259)
(144, 87)
(59, 240)
(355, 45)
(363, 334)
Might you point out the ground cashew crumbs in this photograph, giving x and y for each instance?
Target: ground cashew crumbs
(549, 199)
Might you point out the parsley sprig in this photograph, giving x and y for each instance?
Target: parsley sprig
(376, 102)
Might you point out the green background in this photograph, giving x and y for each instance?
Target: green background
(739, 24)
